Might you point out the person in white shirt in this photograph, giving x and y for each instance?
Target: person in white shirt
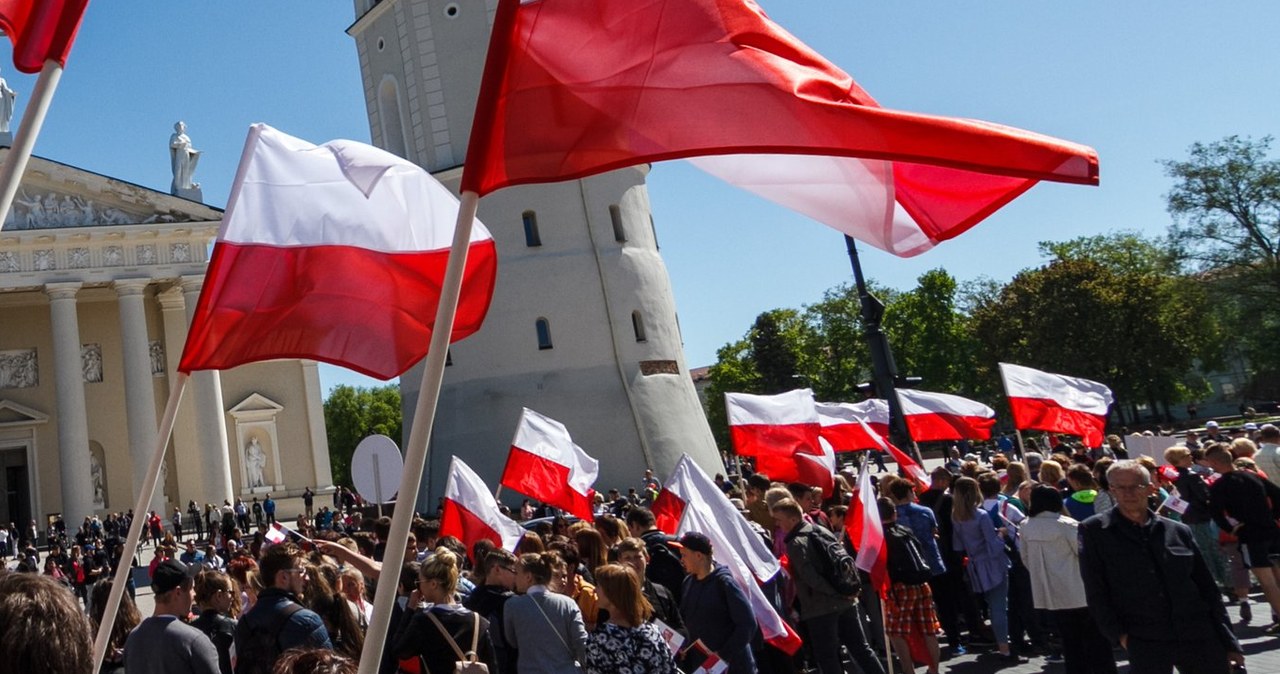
(1268, 456)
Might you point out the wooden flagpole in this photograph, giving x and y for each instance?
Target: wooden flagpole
(124, 567)
(884, 628)
(415, 451)
(24, 141)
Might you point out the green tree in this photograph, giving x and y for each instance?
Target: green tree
(775, 346)
(1225, 203)
(931, 337)
(353, 413)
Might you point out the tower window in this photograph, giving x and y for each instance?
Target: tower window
(653, 228)
(619, 231)
(637, 324)
(531, 236)
(544, 334)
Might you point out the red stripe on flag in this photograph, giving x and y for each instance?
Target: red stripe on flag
(466, 526)
(667, 510)
(41, 30)
(938, 426)
(1047, 415)
(775, 439)
(545, 480)
(797, 468)
(362, 309)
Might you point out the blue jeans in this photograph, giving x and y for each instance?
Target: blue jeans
(998, 605)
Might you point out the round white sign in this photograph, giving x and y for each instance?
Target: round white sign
(376, 468)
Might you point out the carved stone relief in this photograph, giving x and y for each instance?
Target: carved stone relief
(146, 254)
(18, 369)
(180, 252)
(43, 260)
(8, 261)
(112, 256)
(91, 362)
(78, 258)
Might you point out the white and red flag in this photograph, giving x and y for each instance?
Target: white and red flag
(942, 416)
(573, 88)
(904, 460)
(867, 533)
(276, 533)
(845, 425)
(1044, 401)
(773, 425)
(471, 512)
(690, 501)
(41, 30)
(545, 464)
(335, 253)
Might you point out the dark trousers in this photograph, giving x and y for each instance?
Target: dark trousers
(1202, 656)
(954, 600)
(1022, 610)
(1084, 648)
(828, 632)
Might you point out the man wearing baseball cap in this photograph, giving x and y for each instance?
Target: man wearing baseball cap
(715, 609)
(165, 643)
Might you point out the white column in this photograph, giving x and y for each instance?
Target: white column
(211, 425)
(139, 390)
(73, 423)
(315, 427)
(186, 450)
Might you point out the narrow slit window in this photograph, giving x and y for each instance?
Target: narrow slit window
(654, 228)
(531, 236)
(637, 324)
(619, 230)
(543, 328)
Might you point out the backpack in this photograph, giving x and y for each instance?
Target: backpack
(834, 563)
(467, 663)
(259, 652)
(906, 557)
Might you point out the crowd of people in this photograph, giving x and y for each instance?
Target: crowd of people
(1066, 554)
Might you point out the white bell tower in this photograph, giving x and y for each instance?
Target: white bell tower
(583, 324)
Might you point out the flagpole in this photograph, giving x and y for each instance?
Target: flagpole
(415, 454)
(24, 140)
(884, 628)
(124, 567)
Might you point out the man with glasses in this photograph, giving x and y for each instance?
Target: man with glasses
(277, 622)
(497, 570)
(1148, 586)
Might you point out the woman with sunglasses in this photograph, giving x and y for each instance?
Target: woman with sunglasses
(442, 633)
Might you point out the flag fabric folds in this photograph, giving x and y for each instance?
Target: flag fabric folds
(692, 501)
(545, 464)
(866, 531)
(1045, 401)
(573, 88)
(773, 425)
(333, 253)
(845, 425)
(904, 461)
(41, 30)
(276, 533)
(471, 512)
(942, 416)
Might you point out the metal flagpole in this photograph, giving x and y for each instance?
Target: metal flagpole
(884, 371)
(24, 141)
(415, 451)
(124, 567)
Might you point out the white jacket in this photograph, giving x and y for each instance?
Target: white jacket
(1051, 552)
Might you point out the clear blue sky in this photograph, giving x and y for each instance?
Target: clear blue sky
(1138, 81)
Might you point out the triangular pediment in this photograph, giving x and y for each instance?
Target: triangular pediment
(13, 414)
(256, 402)
(58, 196)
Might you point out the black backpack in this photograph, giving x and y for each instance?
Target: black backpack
(258, 653)
(906, 557)
(834, 563)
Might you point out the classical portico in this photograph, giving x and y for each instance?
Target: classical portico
(98, 282)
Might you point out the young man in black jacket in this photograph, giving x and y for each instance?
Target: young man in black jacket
(1246, 506)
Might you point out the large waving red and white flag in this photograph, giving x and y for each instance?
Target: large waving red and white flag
(471, 512)
(335, 253)
(573, 88)
(867, 533)
(41, 30)
(1045, 401)
(942, 416)
(545, 464)
(904, 461)
(845, 425)
(690, 501)
(773, 425)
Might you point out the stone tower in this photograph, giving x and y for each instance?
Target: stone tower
(583, 325)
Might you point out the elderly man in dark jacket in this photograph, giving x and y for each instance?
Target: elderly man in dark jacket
(1148, 586)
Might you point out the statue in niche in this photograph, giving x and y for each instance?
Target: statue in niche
(91, 362)
(254, 461)
(157, 359)
(18, 369)
(183, 157)
(7, 99)
(99, 482)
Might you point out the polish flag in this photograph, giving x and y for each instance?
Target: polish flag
(845, 425)
(1044, 401)
(904, 460)
(41, 30)
(471, 512)
(942, 416)
(867, 533)
(333, 253)
(546, 465)
(573, 88)
(815, 470)
(276, 533)
(773, 425)
(690, 501)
